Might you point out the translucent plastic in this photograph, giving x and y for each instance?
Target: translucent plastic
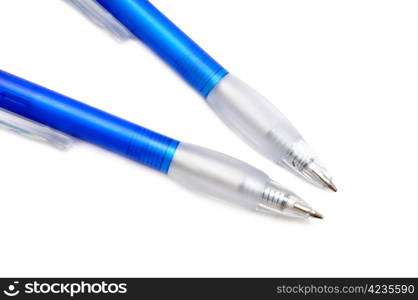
(34, 131)
(99, 16)
(258, 122)
(227, 178)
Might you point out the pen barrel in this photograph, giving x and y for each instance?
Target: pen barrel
(149, 25)
(85, 122)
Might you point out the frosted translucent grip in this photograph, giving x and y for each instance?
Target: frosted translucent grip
(218, 175)
(253, 118)
(266, 129)
(230, 179)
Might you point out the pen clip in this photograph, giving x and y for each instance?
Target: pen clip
(101, 17)
(34, 131)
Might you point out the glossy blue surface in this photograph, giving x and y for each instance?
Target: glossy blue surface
(149, 25)
(85, 122)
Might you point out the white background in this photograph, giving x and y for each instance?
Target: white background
(344, 72)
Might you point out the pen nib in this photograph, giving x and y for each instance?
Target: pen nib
(332, 186)
(307, 210)
(315, 214)
(320, 175)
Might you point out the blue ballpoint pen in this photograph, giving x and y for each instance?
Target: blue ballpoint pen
(28, 108)
(245, 111)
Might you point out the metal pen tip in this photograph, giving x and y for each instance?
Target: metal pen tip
(315, 214)
(307, 211)
(332, 186)
(319, 174)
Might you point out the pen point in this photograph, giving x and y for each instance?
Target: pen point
(320, 175)
(316, 214)
(307, 211)
(332, 186)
